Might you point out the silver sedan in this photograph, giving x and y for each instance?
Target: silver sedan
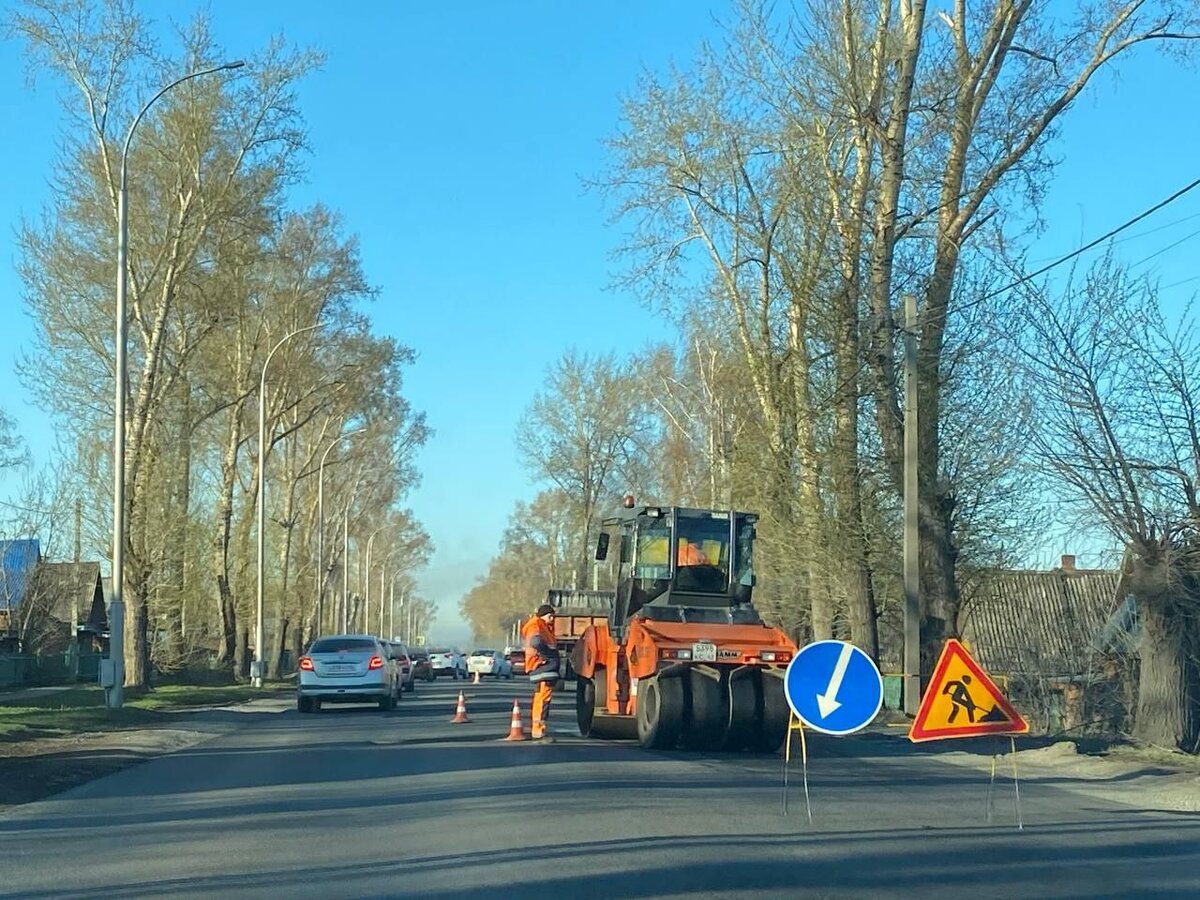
(347, 668)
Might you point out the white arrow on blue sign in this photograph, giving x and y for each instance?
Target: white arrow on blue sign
(834, 687)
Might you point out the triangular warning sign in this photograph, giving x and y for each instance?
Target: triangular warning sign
(962, 701)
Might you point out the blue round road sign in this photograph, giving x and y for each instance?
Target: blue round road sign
(834, 687)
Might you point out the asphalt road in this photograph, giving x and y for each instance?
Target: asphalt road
(357, 803)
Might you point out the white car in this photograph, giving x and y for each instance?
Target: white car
(447, 662)
(347, 668)
(489, 662)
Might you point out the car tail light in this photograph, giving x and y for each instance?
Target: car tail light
(776, 656)
(375, 663)
(306, 664)
(676, 654)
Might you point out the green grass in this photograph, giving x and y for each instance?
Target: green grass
(82, 709)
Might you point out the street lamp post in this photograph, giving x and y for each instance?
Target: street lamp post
(115, 696)
(392, 608)
(321, 573)
(367, 581)
(383, 581)
(263, 450)
(346, 570)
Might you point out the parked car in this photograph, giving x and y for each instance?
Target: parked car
(489, 662)
(422, 670)
(516, 659)
(408, 672)
(447, 662)
(347, 668)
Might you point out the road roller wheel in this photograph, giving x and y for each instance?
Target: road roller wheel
(585, 704)
(776, 714)
(660, 712)
(707, 715)
(742, 723)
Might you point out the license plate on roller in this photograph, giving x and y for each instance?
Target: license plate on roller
(704, 652)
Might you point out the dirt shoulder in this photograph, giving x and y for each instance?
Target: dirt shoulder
(50, 743)
(1145, 777)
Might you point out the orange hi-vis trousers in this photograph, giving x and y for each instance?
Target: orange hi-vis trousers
(542, 696)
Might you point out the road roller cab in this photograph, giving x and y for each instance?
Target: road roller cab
(684, 660)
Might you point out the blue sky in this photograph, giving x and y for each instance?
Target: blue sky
(454, 137)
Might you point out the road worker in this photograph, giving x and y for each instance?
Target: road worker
(690, 555)
(541, 664)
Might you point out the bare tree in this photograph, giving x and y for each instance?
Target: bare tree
(211, 152)
(1114, 421)
(12, 451)
(578, 433)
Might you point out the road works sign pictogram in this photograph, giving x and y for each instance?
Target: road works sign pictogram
(962, 701)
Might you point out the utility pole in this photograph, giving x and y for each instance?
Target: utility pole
(912, 578)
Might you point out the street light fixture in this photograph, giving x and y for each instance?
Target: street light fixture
(321, 573)
(263, 450)
(115, 696)
(367, 597)
(383, 581)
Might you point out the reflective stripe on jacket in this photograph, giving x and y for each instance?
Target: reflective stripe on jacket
(541, 650)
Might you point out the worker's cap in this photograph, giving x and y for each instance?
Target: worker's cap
(545, 609)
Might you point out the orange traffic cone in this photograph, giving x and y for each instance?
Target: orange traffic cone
(460, 715)
(476, 681)
(515, 731)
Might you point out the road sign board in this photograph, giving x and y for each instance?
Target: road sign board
(833, 687)
(962, 701)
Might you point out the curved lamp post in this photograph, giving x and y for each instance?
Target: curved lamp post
(367, 591)
(115, 695)
(321, 573)
(263, 450)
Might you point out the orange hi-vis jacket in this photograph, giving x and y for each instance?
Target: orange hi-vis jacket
(541, 650)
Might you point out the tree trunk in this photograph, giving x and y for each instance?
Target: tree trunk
(137, 591)
(275, 652)
(241, 660)
(939, 587)
(226, 609)
(1166, 681)
(243, 609)
(852, 543)
(278, 644)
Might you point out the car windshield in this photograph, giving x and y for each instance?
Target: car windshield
(341, 645)
(484, 653)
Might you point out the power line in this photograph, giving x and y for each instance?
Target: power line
(1176, 284)
(1142, 234)
(1160, 252)
(1086, 247)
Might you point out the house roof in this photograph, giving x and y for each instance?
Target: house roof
(72, 589)
(1044, 623)
(18, 560)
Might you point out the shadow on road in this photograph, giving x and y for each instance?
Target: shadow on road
(866, 861)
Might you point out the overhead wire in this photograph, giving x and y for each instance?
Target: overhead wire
(1024, 279)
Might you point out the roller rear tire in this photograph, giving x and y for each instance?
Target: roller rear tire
(707, 710)
(660, 712)
(776, 714)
